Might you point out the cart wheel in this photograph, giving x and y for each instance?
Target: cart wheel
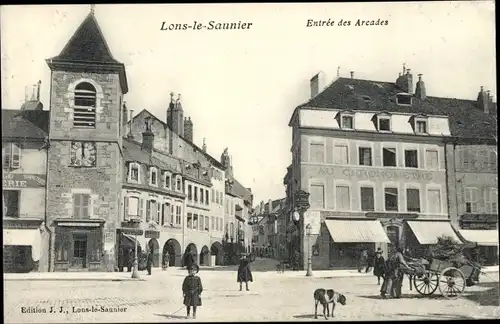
(426, 284)
(451, 283)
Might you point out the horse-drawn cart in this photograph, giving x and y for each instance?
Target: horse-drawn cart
(449, 276)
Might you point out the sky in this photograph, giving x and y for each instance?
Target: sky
(240, 87)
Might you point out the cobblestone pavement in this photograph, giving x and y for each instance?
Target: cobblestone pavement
(272, 297)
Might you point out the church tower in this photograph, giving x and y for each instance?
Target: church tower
(84, 158)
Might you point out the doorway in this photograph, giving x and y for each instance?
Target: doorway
(393, 234)
(79, 259)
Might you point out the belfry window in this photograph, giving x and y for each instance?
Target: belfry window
(84, 112)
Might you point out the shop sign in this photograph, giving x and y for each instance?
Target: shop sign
(376, 174)
(480, 218)
(302, 199)
(22, 180)
(132, 231)
(478, 226)
(392, 215)
(152, 234)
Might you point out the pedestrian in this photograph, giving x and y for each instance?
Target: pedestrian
(191, 291)
(362, 260)
(149, 261)
(379, 265)
(166, 261)
(130, 260)
(369, 260)
(393, 278)
(244, 272)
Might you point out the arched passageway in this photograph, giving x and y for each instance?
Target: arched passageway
(216, 252)
(205, 256)
(172, 252)
(154, 248)
(190, 249)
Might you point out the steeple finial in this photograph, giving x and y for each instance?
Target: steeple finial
(172, 97)
(92, 9)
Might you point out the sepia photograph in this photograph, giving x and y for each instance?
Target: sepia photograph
(250, 162)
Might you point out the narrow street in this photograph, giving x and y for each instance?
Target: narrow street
(272, 297)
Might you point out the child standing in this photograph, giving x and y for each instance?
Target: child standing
(192, 289)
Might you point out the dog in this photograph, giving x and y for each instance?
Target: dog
(325, 297)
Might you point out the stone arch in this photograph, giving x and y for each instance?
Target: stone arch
(154, 248)
(216, 251)
(190, 249)
(173, 249)
(204, 256)
(71, 95)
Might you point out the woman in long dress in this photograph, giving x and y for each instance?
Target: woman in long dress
(379, 265)
(244, 272)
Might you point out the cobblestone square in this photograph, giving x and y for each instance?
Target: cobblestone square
(272, 297)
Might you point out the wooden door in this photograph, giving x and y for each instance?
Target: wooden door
(79, 257)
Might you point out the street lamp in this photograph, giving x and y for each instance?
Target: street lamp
(309, 251)
(133, 225)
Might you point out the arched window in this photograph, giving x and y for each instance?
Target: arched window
(85, 105)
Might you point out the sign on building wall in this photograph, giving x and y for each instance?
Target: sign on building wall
(381, 174)
(23, 180)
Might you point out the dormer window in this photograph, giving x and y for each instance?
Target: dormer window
(168, 180)
(153, 176)
(403, 99)
(383, 122)
(133, 172)
(346, 120)
(419, 124)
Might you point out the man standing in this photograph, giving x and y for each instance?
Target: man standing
(393, 278)
(149, 262)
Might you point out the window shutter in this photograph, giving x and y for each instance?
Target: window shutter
(94, 206)
(16, 156)
(148, 210)
(158, 213)
(141, 208)
(125, 208)
(7, 150)
(76, 205)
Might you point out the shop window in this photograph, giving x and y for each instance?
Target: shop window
(413, 200)
(84, 111)
(343, 198)
(11, 156)
(317, 196)
(11, 203)
(317, 152)
(391, 199)
(471, 200)
(365, 156)
(367, 199)
(340, 153)
(434, 201)
(81, 206)
(411, 159)
(389, 157)
(431, 159)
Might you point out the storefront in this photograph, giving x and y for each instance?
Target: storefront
(421, 235)
(347, 239)
(79, 245)
(22, 244)
(480, 232)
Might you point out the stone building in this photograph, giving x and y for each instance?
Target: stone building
(372, 156)
(472, 169)
(111, 175)
(24, 173)
(268, 236)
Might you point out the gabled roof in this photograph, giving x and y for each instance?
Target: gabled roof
(212, 160)
(237, 189)
(132, 152)
(32, 105)
(88, 47)
(33, 124)
(466, 119)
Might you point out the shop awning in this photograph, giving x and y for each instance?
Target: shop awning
(24, 237)
(356, 231)
(128, 241)
(427, 232)
(480, 237)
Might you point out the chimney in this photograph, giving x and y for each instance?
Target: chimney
(124, 111)
(317, 83)
(38, 90)
(483, 100)
(178, 117)
(204, 147)
(33, 95)
(148, 137)
(170, 110)
(26, 94)
(188, 129)
(270, 206)
(352, 74)
(405, 81)
(130, 134)
(420, 89)
(262, 207)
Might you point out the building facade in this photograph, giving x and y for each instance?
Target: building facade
(24, 156)
(372, 156)
(114, 180)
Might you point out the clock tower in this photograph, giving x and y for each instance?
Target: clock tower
(85, 167)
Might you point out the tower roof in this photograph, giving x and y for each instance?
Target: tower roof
(87, 47)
